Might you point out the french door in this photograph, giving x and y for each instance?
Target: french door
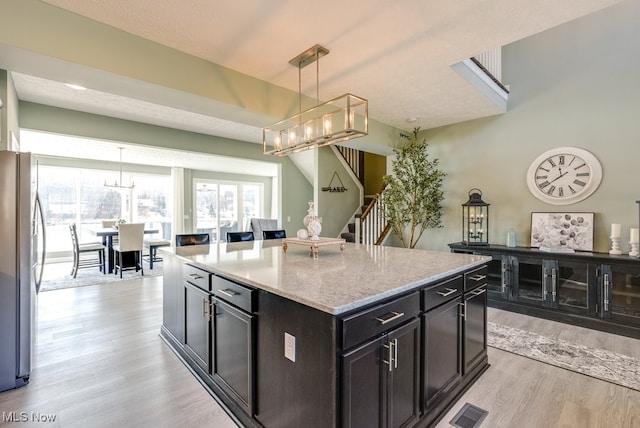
(221, 207)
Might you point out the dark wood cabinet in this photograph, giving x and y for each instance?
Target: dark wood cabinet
(593, 290)
(454, 334)
(474, 328)
(173, 299)
(442, 368)
(618, 293)
(381, 381)
(361, 368)
(233, 350)
(197, 324)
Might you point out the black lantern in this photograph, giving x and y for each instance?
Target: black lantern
(475, 220)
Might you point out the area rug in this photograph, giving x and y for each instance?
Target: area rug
(58, 275)
(608, 366)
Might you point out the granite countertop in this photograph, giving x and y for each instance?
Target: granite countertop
(336, 282)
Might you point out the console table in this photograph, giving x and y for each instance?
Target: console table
(593, 290)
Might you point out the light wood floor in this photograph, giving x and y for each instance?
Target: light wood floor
(523, 393)
(99, 362)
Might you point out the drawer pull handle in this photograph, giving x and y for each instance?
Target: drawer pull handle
(394, 316)
(478, 277)
(195, 276)
(479, 292)
(228, 293)
(449, 292)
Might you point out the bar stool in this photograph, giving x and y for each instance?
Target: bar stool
(153, 245)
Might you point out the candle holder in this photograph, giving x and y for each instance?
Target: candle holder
(634, 249)
(615, 245)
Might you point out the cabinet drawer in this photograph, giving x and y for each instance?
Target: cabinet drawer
(442, 292)
(198, 277)
(370, 323)
(475, 278)
(236, 294)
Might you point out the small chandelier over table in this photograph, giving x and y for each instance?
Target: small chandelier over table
(119, 184)
(340, 119)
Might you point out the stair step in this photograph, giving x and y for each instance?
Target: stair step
(352, 227)
(349, 237)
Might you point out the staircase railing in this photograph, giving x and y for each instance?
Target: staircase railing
(355, 160)
(373, 227)
(491, 63)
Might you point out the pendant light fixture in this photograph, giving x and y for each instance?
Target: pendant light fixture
(119, 184)
(340, 119)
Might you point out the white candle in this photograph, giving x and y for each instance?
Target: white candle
(634, 235)
(615, 230)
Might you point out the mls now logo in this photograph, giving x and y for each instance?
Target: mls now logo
(27, 417)
(15, 417)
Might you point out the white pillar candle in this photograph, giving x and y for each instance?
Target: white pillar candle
(634, 235)
(615, 230)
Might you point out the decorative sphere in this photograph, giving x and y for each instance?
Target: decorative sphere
(314, 228)
(302, 234)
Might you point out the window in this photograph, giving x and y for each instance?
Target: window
(78, 195)
(225, 207)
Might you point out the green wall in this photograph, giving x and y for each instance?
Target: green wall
(335, 208)
(296, 190)
(575, 85)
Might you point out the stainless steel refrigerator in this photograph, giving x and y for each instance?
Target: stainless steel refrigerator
(21, 263)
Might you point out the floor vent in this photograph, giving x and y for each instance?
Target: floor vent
(469, 416)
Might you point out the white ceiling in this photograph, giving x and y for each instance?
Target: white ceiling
(397, 54)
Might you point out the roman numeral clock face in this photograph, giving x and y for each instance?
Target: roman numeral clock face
(564, 175)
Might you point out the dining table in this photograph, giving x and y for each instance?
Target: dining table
(107, 234)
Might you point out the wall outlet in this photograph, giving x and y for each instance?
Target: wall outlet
(290, 347)
(288, 219)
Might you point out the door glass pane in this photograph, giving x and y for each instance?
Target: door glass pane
(207, 209)
(625, 294)
(57, 188)
(152, 198)
(573, 285)
(228, 209)
(250, 204)
(530, 281)
(97, 202)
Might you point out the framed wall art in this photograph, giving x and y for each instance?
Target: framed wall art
(562, 231)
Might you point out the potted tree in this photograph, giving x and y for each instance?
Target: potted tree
(413, 193)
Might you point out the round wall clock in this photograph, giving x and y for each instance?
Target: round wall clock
(564, 175)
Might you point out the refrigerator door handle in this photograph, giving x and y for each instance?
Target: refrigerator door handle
(38, 217)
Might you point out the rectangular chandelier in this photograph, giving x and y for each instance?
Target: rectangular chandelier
(337, 120)
(340, 119)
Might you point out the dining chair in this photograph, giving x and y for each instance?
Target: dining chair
(274, 234)
(86, 248)
(192, 239)
(130, 241)
(239, 236)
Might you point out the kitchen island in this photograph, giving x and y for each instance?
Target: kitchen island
(368, 336)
